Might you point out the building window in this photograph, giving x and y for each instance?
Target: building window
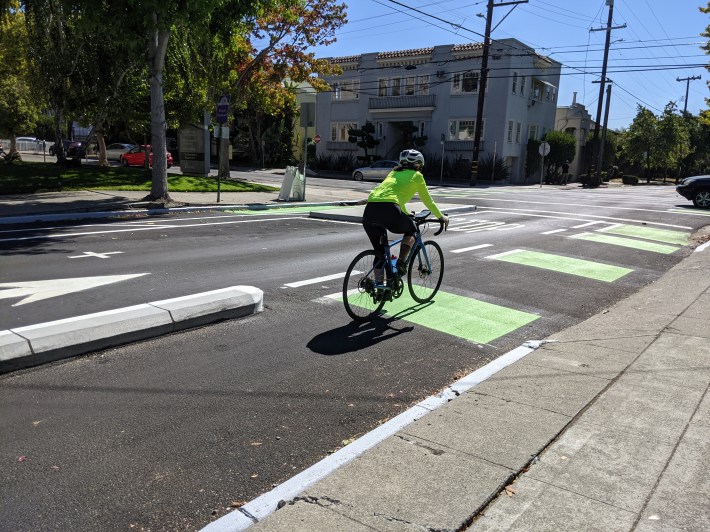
(532, 132)
(382, 87)
(518, 132)
(465, 83)
(421, 129)
(347, 89)
(409, 86)
(396, 89)
(380, 130)
(510, 131)
(339, 131)
(522, 85)
(464, 129)
(423, 85)
(515, 82)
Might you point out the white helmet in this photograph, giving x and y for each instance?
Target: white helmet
(411, 157)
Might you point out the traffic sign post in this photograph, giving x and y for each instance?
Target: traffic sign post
(543, 150)
(223, 108)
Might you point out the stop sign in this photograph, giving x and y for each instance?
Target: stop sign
(317, 138)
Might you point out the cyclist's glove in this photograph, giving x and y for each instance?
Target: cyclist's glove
(445, 220)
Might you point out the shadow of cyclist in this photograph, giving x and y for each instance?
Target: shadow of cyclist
(356, 336)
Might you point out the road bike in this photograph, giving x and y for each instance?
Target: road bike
(366, 288)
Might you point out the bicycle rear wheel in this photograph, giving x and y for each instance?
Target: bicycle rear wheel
(425, 271)
(359, 296)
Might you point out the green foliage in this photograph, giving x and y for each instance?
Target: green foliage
(492, 169)
(364, 138)
(336, 163)
(532, 157)
(563, 147)
(19, 105)
(42, 177)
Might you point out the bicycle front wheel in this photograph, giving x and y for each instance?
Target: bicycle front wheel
(425, 271)
(359, 295)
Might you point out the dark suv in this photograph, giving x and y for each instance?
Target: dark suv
(696, 189)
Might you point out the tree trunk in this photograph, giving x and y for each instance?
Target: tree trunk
(157, 48)
(101, 141)
(58, 144)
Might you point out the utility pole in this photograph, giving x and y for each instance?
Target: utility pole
(606, 121)
(483, 81)
(687, 86)
(597, 177)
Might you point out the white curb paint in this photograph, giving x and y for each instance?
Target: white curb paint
(264, 505)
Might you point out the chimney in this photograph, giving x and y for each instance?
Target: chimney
(574, 98)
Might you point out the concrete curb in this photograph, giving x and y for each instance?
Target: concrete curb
(28, 346)
(55, 217)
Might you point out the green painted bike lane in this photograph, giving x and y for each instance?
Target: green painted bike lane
(475, 320)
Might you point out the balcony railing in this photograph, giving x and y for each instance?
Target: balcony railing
(403, 102)
(461, 145)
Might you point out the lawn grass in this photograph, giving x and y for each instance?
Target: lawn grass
(29, 177)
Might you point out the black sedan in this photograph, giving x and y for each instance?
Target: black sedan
(696, 189)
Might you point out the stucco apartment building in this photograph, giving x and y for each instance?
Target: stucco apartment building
(436, 89)
(576, 120)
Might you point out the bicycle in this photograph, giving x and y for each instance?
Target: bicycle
(364, 296)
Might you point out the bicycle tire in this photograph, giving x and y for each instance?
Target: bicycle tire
(358, 299)
(423, 281)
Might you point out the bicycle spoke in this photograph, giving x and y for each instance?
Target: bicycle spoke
(359, 296)
(425, 272)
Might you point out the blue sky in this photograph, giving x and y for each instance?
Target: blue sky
(660, 43)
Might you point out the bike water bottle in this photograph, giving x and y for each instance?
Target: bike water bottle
(393, 261)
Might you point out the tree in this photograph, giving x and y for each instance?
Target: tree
(705, 115)
(639, 141)
(287, 29)
(673, 140)
(563, 147)
(364, 137)
(19, 106)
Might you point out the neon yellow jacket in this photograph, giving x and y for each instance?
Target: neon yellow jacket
(400, 187)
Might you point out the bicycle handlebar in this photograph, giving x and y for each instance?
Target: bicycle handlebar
(423, 217)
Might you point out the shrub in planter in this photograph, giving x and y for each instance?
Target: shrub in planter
(630, 180)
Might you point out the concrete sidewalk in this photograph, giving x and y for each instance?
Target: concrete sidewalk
(605, 426)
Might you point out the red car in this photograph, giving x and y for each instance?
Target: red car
(136, 157)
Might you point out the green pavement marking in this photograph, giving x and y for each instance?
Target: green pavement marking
(627, 242)
(569, 265)
(650, 233)
(463, 317)
(286, 210)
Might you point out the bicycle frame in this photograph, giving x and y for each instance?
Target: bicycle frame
(416, 248)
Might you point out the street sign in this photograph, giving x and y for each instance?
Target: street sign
(544, 149)
(223, 108)
(316, 139)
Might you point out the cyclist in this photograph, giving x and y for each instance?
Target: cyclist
(386, 209)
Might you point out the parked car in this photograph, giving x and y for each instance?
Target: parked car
(76, 150)
(115, 150)
(136, 156)
(696, 189)
(53, 149)
(377, 170)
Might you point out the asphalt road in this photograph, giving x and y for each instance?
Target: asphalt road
(167, 434)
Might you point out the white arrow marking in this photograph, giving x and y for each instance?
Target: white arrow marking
(104, 255)
(37, 290)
